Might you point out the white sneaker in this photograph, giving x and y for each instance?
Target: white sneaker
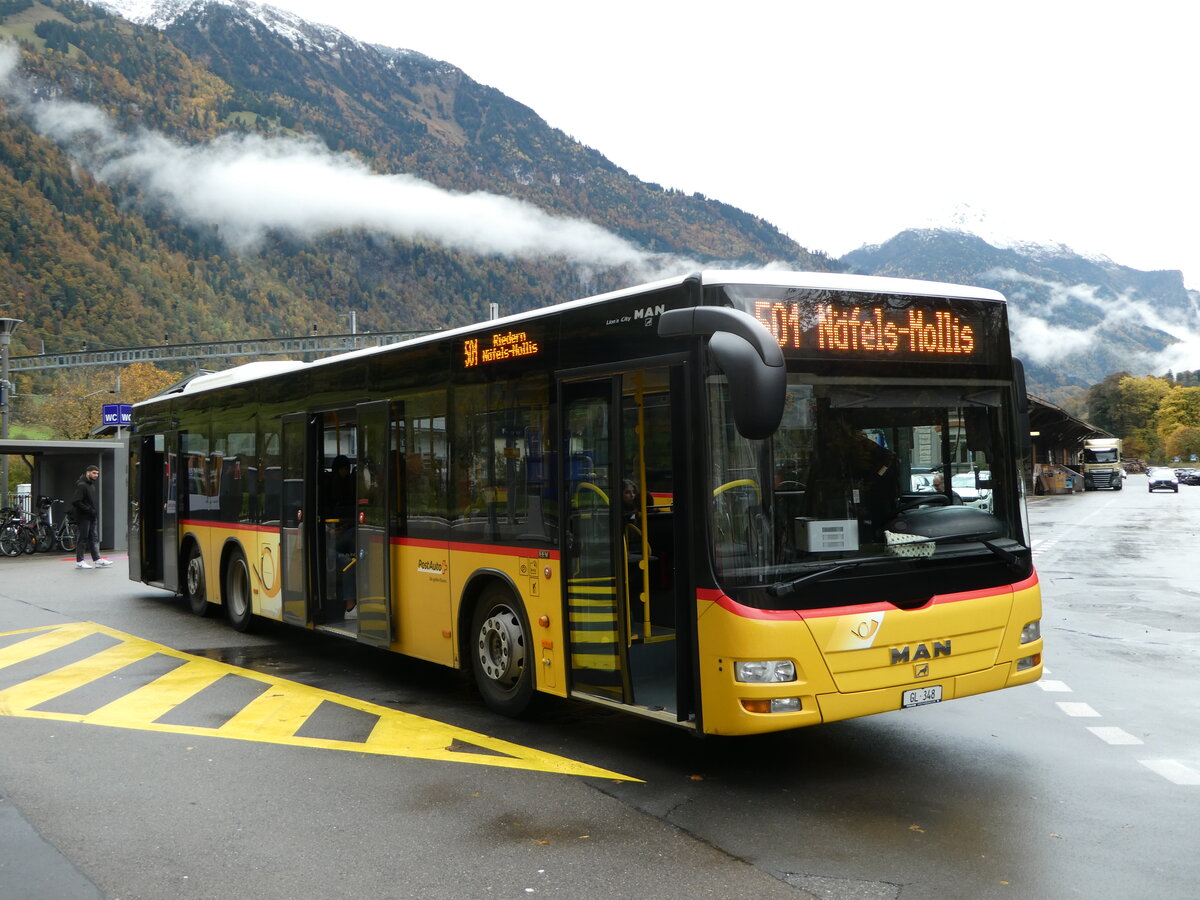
(82, 564)
(101, 563)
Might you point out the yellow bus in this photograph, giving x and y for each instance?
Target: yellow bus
(734, 501)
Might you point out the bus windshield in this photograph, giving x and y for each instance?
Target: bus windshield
(863, 473)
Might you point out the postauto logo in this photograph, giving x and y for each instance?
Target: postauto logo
(432, 567)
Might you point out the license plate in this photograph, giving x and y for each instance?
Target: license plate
(921, 696)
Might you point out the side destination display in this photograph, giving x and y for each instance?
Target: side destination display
(498, 347)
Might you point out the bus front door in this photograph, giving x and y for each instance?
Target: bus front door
(625, 547)
(595, 583)
(372, 525)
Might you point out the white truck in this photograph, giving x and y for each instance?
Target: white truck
(1101, 464)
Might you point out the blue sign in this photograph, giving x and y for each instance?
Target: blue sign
(119, 414)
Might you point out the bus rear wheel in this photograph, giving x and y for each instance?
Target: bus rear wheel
(501, 655)
(194, 583)
(237, 592)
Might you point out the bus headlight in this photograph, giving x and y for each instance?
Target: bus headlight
(764, 671)
(1031, 632)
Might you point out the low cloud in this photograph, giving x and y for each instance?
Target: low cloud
(1037, 341)
(249, 186)
(1040, 341)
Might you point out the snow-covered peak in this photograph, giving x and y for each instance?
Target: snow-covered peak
(162, 13)
(156, 13)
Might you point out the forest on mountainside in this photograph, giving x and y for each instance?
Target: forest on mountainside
(106, 263)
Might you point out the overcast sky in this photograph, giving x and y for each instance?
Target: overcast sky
(845, 122)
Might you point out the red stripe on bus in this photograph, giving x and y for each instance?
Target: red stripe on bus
(463, 547)
(230, 526)
(727, 603)
(419, 543)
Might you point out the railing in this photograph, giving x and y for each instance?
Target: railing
(311, 345)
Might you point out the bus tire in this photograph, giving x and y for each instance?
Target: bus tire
(501, 652)
(195, 587)
(237, 593)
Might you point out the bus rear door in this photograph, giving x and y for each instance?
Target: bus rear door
(146, 464)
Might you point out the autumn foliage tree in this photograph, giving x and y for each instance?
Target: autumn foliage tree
(1157, 417)
(74, 408)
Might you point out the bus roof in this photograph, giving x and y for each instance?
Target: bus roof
(832, 281)
(835, 281)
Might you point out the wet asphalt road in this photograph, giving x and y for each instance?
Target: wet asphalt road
(1085, 785)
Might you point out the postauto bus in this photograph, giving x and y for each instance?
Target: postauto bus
(706, 500)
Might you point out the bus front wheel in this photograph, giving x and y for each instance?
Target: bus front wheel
(194, 586)
(501, 656)
(237, 592)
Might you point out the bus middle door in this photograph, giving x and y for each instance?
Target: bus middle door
(295, 528)
(372, 541)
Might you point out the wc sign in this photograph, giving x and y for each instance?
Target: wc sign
(118, 414)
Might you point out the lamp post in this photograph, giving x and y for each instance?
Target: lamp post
(115, 389)
(7, 327)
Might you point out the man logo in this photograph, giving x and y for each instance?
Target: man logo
(921, 671)
(920, 651)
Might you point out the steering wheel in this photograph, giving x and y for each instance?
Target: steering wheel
(923, 498)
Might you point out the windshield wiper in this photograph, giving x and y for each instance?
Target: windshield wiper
(783, 588)
(1012, 560)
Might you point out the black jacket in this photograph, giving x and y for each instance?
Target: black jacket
(84, 501)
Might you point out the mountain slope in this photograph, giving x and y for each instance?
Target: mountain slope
(122, 223)
(1074, 319)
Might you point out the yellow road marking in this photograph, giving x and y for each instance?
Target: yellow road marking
(274, 716)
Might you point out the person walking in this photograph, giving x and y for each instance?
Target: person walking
(86, 510)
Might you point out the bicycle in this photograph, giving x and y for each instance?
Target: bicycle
(64, 534)
(17, 536)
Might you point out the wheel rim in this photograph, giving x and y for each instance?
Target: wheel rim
(501, 647)
(195, 577)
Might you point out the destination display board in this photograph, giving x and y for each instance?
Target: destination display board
(855, 326)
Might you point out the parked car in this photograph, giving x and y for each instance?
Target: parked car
(1163, 479)
(965, 486)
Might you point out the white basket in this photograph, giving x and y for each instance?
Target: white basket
(911, 546)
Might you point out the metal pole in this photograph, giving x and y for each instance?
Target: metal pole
(7, 327)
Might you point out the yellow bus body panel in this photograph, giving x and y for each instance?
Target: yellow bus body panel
(536, 575)
(860, 661)
(422, 615)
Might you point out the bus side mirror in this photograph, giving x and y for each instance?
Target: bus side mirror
(1022, 399)
(749, 357)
